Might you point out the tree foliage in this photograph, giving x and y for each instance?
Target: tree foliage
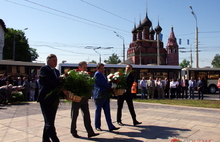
(113, 59)
(185, 63)
(216, 61)
(22, 50)
(93, 62)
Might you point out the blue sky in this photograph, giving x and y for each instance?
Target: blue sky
(66, 27)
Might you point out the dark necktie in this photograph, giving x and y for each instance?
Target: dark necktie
(55, 72)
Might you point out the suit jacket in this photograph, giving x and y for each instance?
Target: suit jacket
(153, 84)
(192, 83)
(26, 86)
(186, 83)
(200, 83)
(179, 85)
(167, 85)
(101, 82)
(129, 81)
(101, 86)
(48, 81)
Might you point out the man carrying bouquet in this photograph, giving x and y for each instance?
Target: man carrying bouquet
(49, 81)
(101, 98)
(84, 106)
(128, 97)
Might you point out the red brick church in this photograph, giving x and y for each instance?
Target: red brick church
(145, 43)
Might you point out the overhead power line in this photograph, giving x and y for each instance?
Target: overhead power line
(106, 11)
(59, 49)
(74, 16)
(58, 15)
(211, 32)
(199, 32)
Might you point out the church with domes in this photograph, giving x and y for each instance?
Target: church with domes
(147, 48)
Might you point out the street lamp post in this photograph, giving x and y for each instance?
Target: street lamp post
(197, 54)
(100, 60)
(14, 44)
(94, 48)
(121, 37)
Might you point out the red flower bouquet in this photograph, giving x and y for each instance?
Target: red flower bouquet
(78, 83)
(118, 80)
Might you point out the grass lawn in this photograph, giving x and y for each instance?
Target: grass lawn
(192, 103)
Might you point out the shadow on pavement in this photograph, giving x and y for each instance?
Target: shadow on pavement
(155, 132)
(114, 139)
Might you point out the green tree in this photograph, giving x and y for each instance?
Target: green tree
(113, 59)
(216, 61)
(22, 50)
(93, 62)
(185, 63)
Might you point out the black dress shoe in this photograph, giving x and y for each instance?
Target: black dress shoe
(98, 129)
(75, 135)
(137, 123)
(120, 123)
(93, 135)
(115, 128)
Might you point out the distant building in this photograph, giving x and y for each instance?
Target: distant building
(172, 50)
(143, 48)
(2, 37)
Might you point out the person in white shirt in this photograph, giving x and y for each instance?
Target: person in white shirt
(192, 85)
(143, 86)
(172, 88)
(32, 89)
(156, 88)
(160, 89)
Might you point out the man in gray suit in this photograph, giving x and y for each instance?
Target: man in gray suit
(151, 87)
(83, 104)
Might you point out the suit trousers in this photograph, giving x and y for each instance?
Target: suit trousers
(49, 114)
(105, 105)
(191, 92)
(120, 102)
(143, 92)
(200, 92)
(151, 92)
(167, 92)
(84, 106)
(184, 89)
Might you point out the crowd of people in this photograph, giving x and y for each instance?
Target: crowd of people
(49, 80)
(28, 86)
(179, 88)
(38, 88)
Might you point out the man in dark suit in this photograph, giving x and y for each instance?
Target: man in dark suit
(84, 106)
(200, 87)
(184, 85)
(167, 88)
(102, 98)
(49, 80)
(128, 97)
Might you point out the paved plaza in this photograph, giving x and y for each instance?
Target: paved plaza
(160, 123)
